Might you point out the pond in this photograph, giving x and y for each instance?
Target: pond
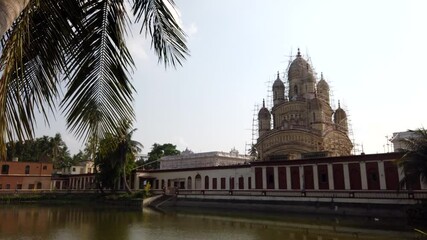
(98, 222)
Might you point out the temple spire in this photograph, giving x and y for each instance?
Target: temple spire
(263, 103)
(299, 53)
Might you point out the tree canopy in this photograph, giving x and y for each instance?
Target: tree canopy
(157, 152)
(44, 149)
(115, 158)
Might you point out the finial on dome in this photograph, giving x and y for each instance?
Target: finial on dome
(339, 105)
(321, 76)
(278, 75)
(299, 53)
(263, 103)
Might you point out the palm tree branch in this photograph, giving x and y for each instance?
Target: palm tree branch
(167, 37)
(99, 92)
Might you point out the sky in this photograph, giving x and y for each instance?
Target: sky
(372, 54)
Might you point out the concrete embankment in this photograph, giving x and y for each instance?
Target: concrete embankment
(113, 200)
(328, 208)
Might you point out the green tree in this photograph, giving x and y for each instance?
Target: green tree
(46, 43)
(157, 152)
(414, 159)
(43, 149)
(116, 157)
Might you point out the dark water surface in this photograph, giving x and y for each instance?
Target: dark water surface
(97, 222)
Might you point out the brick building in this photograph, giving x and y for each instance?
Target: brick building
(25, 175)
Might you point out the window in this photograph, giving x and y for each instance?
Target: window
(222, 183)
(27, 169)
(5, 169)
(39, 185)
(45, 167)
(18, 186)
(296, 89)
(7, 186)
(1, 186)
(30, 186)
(74, 169)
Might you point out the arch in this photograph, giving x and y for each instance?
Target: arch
(296, 90)
(189, 183)
(198, 182)
(207, 182)
(27, 169)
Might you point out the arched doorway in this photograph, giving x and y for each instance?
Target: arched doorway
(198, 181)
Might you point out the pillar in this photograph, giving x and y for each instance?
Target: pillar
(301, 177)
(136, 182)
(288, 178)
(363, 176)
(346, 177)
(315, 177)
(331, 176)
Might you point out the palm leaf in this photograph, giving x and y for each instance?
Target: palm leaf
(99, 91)
(32, 59)
(414, 159)
(168, 38)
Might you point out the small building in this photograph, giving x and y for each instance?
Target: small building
(84, 167)
(188, 159)
(25, 175)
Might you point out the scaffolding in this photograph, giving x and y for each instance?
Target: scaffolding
(254, 129)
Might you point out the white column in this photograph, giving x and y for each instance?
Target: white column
(227, 183)
(363, 176)
(253, 178)
(315, 178)
(288, 178)
(301, 177)
(136, 182)
(331, 176)
(381, 176)
(276, 177)
(264, 178)
(346, 177)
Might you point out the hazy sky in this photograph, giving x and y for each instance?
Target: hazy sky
(372, 53)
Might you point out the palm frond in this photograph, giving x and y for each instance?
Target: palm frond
(31, 61)
(168, 38)
(414, 159)
(99, 92)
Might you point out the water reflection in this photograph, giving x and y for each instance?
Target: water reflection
(94, 222)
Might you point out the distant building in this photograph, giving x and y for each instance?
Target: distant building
(25, 175)
(304, 124)
(84, 167)
(188, 159)
(397, 138)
